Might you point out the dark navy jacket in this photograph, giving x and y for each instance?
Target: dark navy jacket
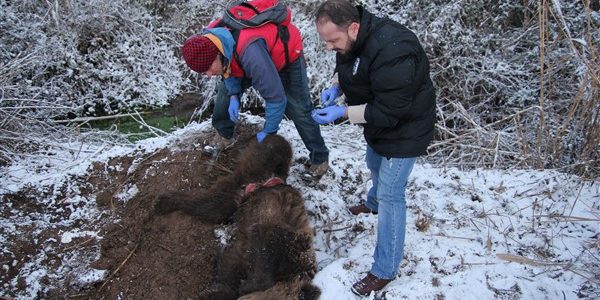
(388, 70)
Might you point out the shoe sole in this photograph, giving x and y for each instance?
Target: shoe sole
(357, 293)
(363, 212)
(360, 213)
(307, 177)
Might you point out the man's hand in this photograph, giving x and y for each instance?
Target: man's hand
(329, 95)
(234, 107)
(260, 136)
(328, 114)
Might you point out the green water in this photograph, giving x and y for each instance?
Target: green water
(136, 131)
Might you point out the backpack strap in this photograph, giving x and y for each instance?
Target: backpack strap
(246, 4)
(283, 33)
(235, 33)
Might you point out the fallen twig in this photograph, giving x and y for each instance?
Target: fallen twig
(80, 244)
(338, 229)
(453, 237)
(88, 119)
(119, 268)
(528, 261)
(561, 218)
(165, 247)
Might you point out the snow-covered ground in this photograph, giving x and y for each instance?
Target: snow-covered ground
(471, 234)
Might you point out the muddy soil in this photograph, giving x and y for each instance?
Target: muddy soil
(151, 256)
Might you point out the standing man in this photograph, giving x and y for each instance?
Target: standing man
(257, 57)
(384, 74)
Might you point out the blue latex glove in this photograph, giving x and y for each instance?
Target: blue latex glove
(234, 107)
(328, 114)
(329, 95)
(260, 136)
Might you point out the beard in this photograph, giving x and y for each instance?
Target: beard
(347, 48)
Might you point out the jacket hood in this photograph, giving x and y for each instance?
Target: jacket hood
(363, 31)
(226, 40)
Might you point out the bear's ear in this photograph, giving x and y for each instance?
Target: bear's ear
(308, 291)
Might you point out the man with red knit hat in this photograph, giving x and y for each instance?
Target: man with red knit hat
(260, 60)
(200, 53)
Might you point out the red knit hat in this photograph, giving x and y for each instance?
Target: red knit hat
(199, 53)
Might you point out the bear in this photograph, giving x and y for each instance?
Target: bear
(270, 254)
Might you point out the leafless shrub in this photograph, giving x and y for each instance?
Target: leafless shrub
(63, 59)
(517, 82)
(97, 57)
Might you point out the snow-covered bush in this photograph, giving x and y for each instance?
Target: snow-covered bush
(93, 57)
(517, 81)
(508, 92)
(63, 59)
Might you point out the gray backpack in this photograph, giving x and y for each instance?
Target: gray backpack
(255, 13)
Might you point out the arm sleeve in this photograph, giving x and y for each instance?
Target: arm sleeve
(273, 115)
(393, 95)
(259, 67)
(233, 85)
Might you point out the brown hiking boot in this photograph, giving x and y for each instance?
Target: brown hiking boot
(319, 170)
(369, 284)
(313, 172)
(220, 142)
(361, 209)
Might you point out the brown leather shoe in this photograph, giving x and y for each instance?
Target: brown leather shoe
(361, 209)
(369, 284)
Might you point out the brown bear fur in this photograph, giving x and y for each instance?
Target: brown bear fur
(257, 163)
(270, 255)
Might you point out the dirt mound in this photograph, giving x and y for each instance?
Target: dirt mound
(150, 256)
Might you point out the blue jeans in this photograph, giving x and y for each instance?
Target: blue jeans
(386, 196)
(299, 106)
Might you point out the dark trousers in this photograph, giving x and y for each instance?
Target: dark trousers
(299, 106)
